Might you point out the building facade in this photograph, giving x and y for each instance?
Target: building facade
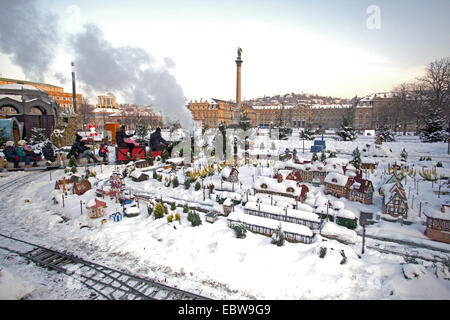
(63, 99)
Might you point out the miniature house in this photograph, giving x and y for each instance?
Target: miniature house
(138, 176)
(96, 208)
(81, 187)
(361, 190)
(438, 226)
(131, 212)
(227, 206)
(211, 217)
(230, 175)
(395, 202)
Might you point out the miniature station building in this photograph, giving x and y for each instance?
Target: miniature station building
(438, 226)
(96, 208)
(285, 188)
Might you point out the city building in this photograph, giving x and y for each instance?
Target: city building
(31, 107)
(388, 108)
(212, 112)
(329, 116)
(63, 99)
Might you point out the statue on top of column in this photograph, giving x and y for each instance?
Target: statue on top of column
(239, 51)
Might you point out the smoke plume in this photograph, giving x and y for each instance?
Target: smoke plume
(29, 36)
(130, 71)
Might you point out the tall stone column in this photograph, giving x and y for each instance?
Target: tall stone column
(237, 110)
(238, 82)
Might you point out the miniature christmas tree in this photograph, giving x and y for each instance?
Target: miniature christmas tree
(73, 164)
(194, 219)
(323, 156)
(239, 230)
(356, 158)
(175, 182)
(159, 210)
(150, 158)
(278, 237)
(315, 157)
(187, 183)
(164, 156)
(346, 131)
(404, 155)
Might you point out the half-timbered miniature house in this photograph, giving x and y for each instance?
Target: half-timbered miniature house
(361, 190)
(395, 202)
(337, 184)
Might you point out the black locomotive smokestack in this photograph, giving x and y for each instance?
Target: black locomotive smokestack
(74, 90)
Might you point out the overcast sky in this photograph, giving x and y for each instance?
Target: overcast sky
(332, 48)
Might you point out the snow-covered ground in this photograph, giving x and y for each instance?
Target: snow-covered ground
(209, 259)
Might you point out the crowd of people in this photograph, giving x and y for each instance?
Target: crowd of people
(22, 151)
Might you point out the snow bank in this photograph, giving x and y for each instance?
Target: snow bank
(335, 231)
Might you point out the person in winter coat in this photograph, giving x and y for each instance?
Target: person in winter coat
(48, 152)
(11, 153)
(23, 156)
(157, 143)
(121, 135)
(32, 155)
(80, 149)
(103, 151)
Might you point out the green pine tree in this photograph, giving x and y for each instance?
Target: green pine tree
(175, 182)
(404, 155)
(278, 237)
(346, 131)
(356, 158)
(194, 219)
(187, 183)
(315, 157)
(164, 156)
(323, 156)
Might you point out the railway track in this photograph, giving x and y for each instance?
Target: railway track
(20, 181)
(107, 283)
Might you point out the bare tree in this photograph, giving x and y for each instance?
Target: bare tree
(85, 112)
(436, 81)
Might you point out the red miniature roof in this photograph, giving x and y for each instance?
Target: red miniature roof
(96, 204)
